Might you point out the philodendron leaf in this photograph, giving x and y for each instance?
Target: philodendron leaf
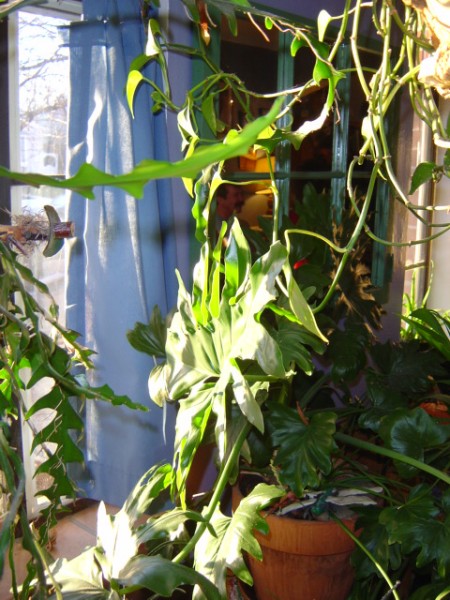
(423, 173)
(150, 338)
(303, 448)
(166, 525)
(116, 539)
(149, 487)
(204, 359)
(79, 578)
(214, 555)
(375, 538)
(401, 371)
(411, 432)
(416, 526)
(163, 577)
(292, 339)
(347, 350)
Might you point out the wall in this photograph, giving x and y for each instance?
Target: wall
(308, 10)
(440, 249)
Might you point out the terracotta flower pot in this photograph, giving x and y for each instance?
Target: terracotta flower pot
(437, 410)
(302, 559)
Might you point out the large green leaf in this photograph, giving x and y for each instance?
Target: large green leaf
(412, 432)
(134, 182)
(347, 350)
(416, 526)
(204, 360)
(80, 577)
(215, 554)
(163, 577)
(401, 373)
(304, 449)
(375, 538)
(166, 525)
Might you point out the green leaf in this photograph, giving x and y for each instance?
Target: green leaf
(157, 385)
(133, 182)
(150, 338)
(303, 449)
(293, 339)
(401, 373)
(147, 489)
(322, 70)
(116, 540)
(209, 112)
(105, 393)
(133, 81)
(80, 577)
(422, 173)
(166, 525)
(431, 590)
(416, 527)
(164, 577)
(323, 21)
(432, 327)
(375, 537)
(237, 261)
(214, 555)
(347, 350)
(296, 44)
(411, 432)
(299, 306)
(245, 398)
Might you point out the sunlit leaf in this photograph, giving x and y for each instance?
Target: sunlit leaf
(164, 577)
(133, 182)
(133, 81)
(296, 44)
(214, 555)
(323, 21)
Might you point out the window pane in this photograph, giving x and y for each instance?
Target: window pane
(39, 143)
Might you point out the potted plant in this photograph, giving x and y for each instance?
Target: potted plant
(233, 350)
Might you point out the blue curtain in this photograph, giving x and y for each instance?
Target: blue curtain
(123, 260)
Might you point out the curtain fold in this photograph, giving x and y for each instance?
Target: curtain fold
(123, 259)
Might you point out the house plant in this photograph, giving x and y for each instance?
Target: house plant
(222, 349)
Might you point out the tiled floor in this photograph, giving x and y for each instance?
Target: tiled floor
(72, 534)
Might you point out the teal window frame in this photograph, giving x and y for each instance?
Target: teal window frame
(382, 261)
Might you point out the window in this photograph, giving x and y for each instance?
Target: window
(38, 101)
(323, 157)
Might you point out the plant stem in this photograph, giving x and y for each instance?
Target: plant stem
(394, 455)
(219, 488)
(371, 556)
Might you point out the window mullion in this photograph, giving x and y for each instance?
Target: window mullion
(340, 133)
(285, 80)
